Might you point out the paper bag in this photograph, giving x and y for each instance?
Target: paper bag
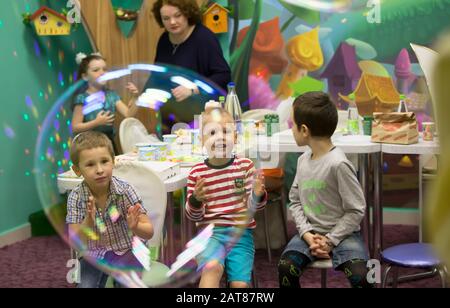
(395, 127)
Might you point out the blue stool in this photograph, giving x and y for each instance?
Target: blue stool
(415, 255)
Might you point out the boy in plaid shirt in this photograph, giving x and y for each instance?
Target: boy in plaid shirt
(103, 211)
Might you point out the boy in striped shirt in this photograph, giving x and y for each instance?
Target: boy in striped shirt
(225, 190)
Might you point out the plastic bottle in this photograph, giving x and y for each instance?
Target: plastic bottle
(222, 101)
(232, 104)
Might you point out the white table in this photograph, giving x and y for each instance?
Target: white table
(66, 182)
(420, 148)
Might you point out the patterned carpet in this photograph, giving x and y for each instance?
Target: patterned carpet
(41, 263)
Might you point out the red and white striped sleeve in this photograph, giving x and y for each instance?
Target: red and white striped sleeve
(195, 210)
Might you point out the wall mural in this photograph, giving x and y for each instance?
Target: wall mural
(274, 44)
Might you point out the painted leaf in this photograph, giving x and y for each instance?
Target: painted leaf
(364, 50)
(126, 21)
(310, 16)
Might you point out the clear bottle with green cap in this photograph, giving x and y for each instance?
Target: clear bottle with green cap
(402, 105)
(352, 120)
(222, 101)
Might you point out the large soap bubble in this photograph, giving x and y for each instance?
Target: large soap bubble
(54, 179)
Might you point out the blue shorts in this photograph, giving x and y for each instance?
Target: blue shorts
(237, 259)
(351, 248)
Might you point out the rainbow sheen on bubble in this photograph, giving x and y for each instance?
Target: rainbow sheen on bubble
(52, 166)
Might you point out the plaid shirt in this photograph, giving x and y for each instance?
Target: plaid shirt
(111, 228)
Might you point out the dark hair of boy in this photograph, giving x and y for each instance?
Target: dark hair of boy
(316, 111)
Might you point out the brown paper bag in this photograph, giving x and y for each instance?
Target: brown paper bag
(395, 127)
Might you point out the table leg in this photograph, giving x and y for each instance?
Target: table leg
(170, 256)
(189, 225)
(363, 166)
(377, 207)
(420, 198)
(182, 222)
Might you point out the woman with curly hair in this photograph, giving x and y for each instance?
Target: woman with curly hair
(188, 44)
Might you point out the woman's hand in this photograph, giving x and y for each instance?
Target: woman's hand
(181, 93)
(131, 87)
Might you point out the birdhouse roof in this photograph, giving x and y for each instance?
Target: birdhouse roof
(344, 58)
(45, 8)
(375, 87)
(213, 6)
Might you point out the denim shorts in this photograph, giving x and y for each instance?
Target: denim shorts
(235, 254)
(352, 247)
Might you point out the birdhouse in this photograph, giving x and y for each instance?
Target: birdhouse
(50, 22)
(216, 18)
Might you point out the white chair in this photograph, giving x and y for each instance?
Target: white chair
(152, 190)
(132, 131)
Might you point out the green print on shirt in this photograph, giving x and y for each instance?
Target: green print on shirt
(312, 206)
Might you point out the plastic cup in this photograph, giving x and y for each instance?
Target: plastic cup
(428, 131)
(147, 153)
(171, 141)
(161, 150)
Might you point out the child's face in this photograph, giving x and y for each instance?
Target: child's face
(219, 136)
(96, 166)
(96, 69)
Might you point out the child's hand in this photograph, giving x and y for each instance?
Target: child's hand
(320, 248)
(131, 87)
(104, 118)
(133, 216)
(259, 187)
(200, 190)
(181, 93)
(91, 209)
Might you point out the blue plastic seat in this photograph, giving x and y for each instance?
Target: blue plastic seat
(414, 255)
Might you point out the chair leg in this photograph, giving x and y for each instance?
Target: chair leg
(267, 235)
(283, 215)
(323, 278)
(385, 276)
(254, 278)
(443, 276)
(395, 277)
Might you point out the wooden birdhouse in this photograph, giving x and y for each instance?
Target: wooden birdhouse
(216, 18)
(50, 22)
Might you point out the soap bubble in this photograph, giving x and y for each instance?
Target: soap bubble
(144, 266)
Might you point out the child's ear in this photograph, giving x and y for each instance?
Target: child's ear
(304, 129)
(84, 77)
(76, 170)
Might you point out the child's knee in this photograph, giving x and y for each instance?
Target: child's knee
(292, 262)
(239, 284)
(356, 272)
(215, 269)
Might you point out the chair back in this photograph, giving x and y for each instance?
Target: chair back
(151, 189)
(132, 131)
